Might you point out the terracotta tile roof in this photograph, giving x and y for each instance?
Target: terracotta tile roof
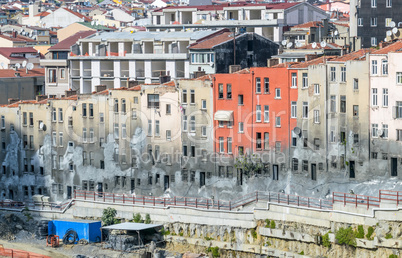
(397, 46)
(171, 83)
(86, 18)
(357, 55)
(43, 14)
(316, 61)
(273, 6)
(213, 41)
(19, 38)
(68, 42)
(283, 65)
(309, 24)
(341, 24)
(7, 51)
(328, 46)
(10, 73)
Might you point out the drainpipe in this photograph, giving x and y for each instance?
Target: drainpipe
(326, 114)
(213, 121)
(252, 111)
(289, 130)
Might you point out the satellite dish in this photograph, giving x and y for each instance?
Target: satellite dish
(289, 45)
(395, 30)
(298, 44)
(392, 24)
(336, 33)
(284, 42)
(385, 39)
(323, 44)
(30, 66)
(42, 126)
(30, 34)
(314, 45)
(97, 22)
(297, 130)
(380, 132)
(389, 33)
(24, 63)
(18, 65)
(2, 65)
(92, 23)
(21, 30)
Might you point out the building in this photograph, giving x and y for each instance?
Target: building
(73, 28)
(63, 17)
(10, 56)
(266, 20)
(14, 40)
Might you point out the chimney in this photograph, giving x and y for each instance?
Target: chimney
(99, 88)
(272, 62)
(14, 34)
(234, 68)
(69, 93)
(12, 100)
(40, 97)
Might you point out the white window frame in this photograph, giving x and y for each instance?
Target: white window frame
(229, 144)
(278, 93)
(374, 130)
(360, 22)
(316, 116)
(258, 113)
(293, 109)
(385, 97)
(278, 121)
(399, 78)
(316, 89)
(221, 145)
(343, 73)
(294, 80)
(373, 21)
(305, 109)
(266, 114)
(203, 104)
(241, 127)
(374, 97)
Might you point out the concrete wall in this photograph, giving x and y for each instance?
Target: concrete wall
(24, 88)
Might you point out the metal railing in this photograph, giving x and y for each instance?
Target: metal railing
(40, 206)
(6, 252)
(356, 199)
(389, 195)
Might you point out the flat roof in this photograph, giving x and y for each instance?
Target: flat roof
(151, 35)
(132, 226)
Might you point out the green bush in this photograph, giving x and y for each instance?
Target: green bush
(273, 225)
(254, 233)
(346, 237)
(360, 232)
(181, 234)
(214, 251)
(109, 217)
(165, 232)
(393, 256)
(388, 236)
(147, 219)
(325, 240)
(209, 238)
(137, 218)
(370, 232)
(301, 253)
(267, 223)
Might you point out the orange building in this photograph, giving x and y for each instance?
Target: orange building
(254, 113)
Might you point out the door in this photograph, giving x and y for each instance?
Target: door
(313, 172)
(352, 169)
(132, 186)
(11, 195)
(166, 182)
(202, 179)
(100, 189)
(275, 172)
(69, 192)
(394, 166)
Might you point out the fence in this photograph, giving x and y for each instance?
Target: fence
(204, 203)
(6, 252)
(388, 195)
(42, 206)
(356, 199)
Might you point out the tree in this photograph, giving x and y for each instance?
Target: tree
(249, 164)
(109, 217)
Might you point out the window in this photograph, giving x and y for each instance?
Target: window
(355, 138)
(278, 146)
(84, 110)
(153, 100)
(185, 123)
(241, 150)
(384, 63)
(294, 79)
(355, 84)
(385, 97)
(25, 141)
(192, 96)
(332, 136)
(317, 143)
(61, 159)
(305, 109)
(385, 131)
(374, 130)
(316, 89)
(305, 80)
(258, 85)
(84, 158)
(305, 139)
(168, 109)
(278, 121)
(157, 130)
(374, 155)
(295, 164)
(84, 134)
(203, 131)
(293, 109)
(373, 41)
(317, 116)
(116, 105)
(398, 110)
(123, 131)
(343, 104)
(343, 74)
(388, 3)
(101, 118)
(241, 127)
(266, 114)
(123, 106)
(203, 104)
(258, 113)
(229, 145)
(184, 97)
(54, 115)
(185, 150)
(399, 78)
(240, 99)
(31, 142)
(333, 74)
(294, 141)
(24, 118)
(258, 141)
(373, 3)
(355, 110)
(62, 73)
(60, 138)
(54, 139)
(399, 135)
(266, 85)
(333, 104)
(266, 141)
(373, 22)
(192, 124)
(52, 76)
(229, 91)
(343, 137)
(360, 22)
(221, 124)
(149, 127)
(168, 135)
(305, 165)
(135, 100)
(220, 89)
(3, 122)
(374, 101)
(277, 93)
(54, 161)
(221, 147)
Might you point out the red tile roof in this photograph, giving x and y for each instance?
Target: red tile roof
(10, 73)
(68, 42)
(213, 41)
(19, 38)
(309, 24)
(43, 14)
(316, 61)
(273, 6)
(86, 18)
(357, 55)
(7, 51)
(328, 46)
(397, 46)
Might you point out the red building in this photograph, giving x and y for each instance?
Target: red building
(252, 115)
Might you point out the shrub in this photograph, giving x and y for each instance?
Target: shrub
(393, 256)
(137, 218)
(360, 232)
(301, 253)
(181, 234)
(209, 238)
(147, 219)
(165, 232)
(214, 251)
(346, 237)
(325, 240)
(109, 216)
(273, 225)
(27, 214)
(370, 232)
(388, 236)
(254, 233)
(267, 223)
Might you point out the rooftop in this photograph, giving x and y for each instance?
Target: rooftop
(316, 61)
(394, 47)
(7, 51)
(277, 6)
(68, 42)
(11, 73)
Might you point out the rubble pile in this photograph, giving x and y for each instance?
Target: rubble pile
(121, 242)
